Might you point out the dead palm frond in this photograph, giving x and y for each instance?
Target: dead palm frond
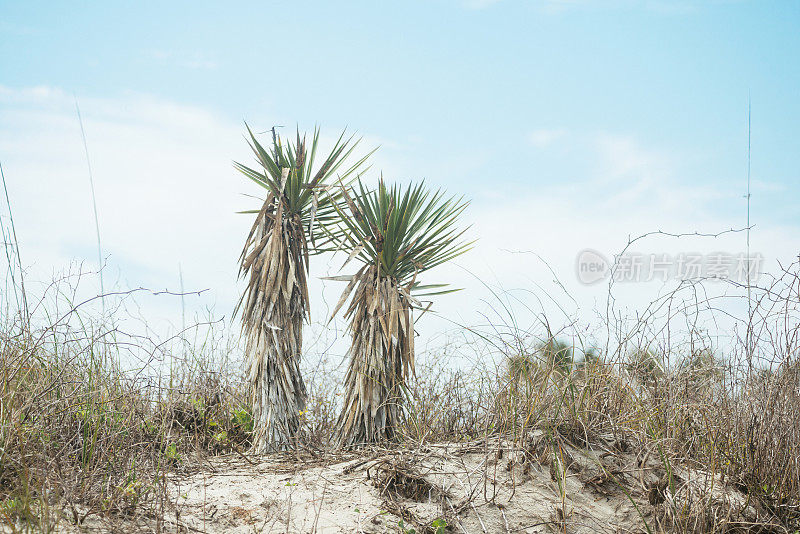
(395, 233)
(287, 229)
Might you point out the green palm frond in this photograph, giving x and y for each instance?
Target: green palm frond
(288, 172)
(403, 231)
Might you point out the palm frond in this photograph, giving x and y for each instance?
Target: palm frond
(275, 261)
(306, 190)
(396, 233)
(402, 230)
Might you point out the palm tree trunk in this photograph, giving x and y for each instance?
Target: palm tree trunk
(279, 393)
(274, 309)
(381, 358)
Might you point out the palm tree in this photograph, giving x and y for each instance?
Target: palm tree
(556, 355)
(644, 364)
(286, 230)
(395, 233)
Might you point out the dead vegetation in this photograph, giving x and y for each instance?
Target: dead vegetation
(275, 261)
(634, 439)
(483, 486)
(80, 437)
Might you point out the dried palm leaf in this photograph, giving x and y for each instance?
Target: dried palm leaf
(274, 261)
(396, 234)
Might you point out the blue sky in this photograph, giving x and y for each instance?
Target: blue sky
(570, 123)
(451, 76)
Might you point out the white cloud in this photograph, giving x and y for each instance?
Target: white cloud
(544, 138)
(766, 186)
(167, 193)
(165, 188)
(528, 239)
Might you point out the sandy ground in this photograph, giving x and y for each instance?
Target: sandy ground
(470, 491)
(470, 488)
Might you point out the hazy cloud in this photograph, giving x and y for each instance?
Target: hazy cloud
(543, 138)
(167, 194)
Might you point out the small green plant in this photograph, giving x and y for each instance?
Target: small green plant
(132, 491)
(439, 526)
(243, 420)
(198, 405)
(171, 453)
(404, 530)
(14, 508)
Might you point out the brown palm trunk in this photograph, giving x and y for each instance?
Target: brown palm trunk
(381, 358)
(275, 304)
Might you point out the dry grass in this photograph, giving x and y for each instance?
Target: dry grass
(81, 437)
(715, 437)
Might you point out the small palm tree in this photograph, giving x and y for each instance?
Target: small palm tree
(644, 364)
(287, 229)
(395, 233)
(556, 355)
